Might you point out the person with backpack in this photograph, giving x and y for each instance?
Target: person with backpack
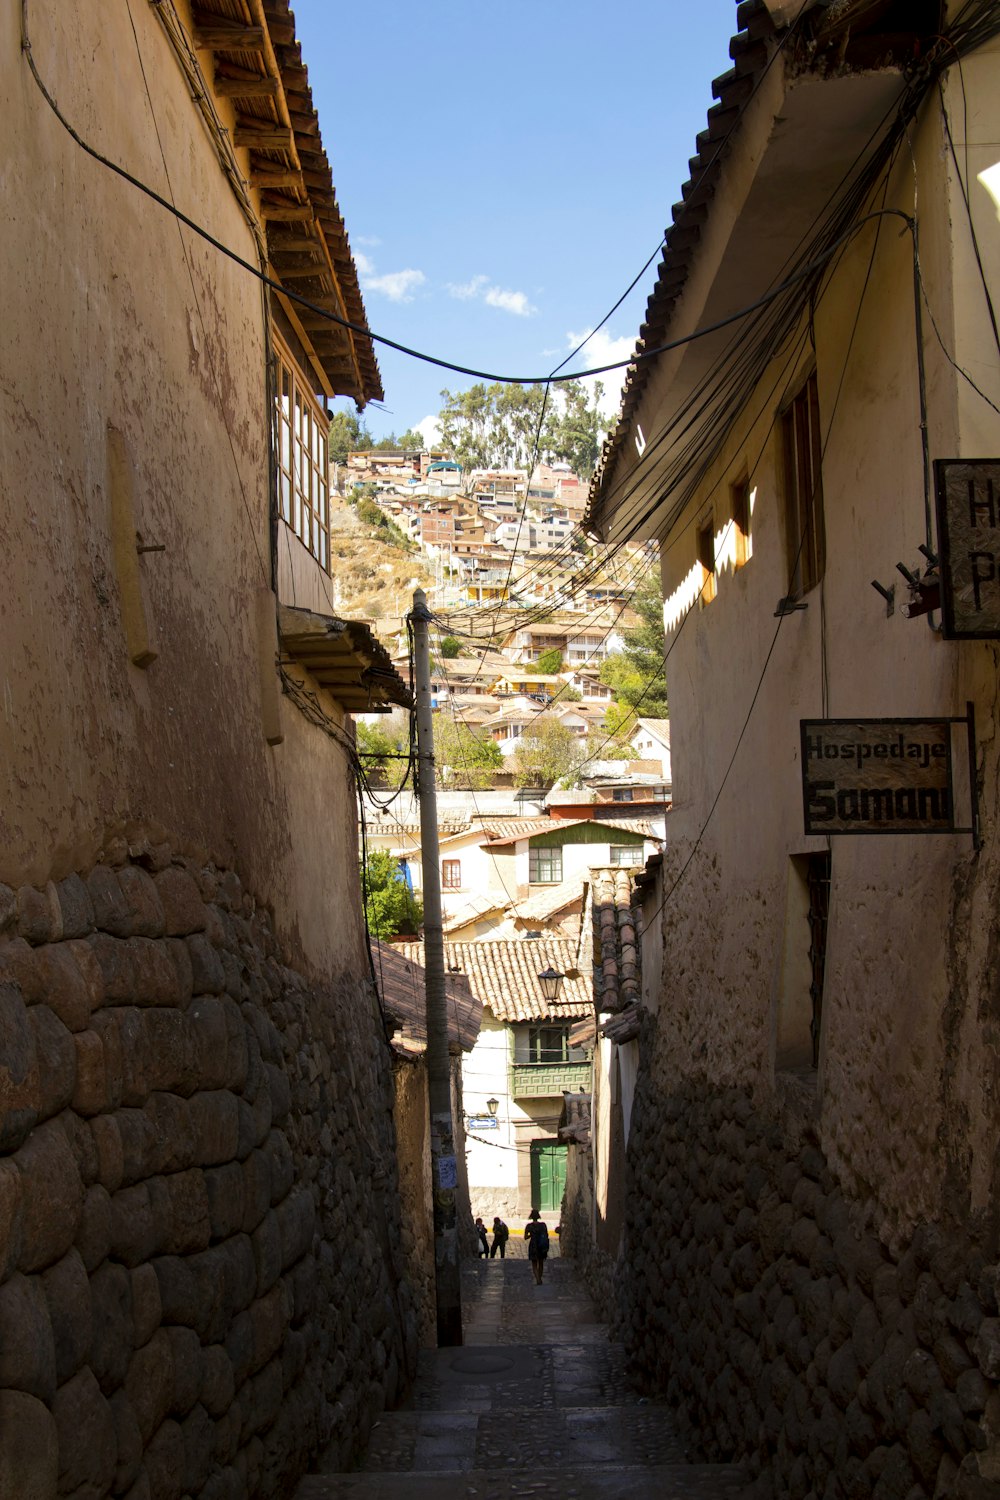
(537, 1234)
(500, 1236)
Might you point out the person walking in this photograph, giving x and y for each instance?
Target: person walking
(536, 1232)
(500, 1236)
(484, 1244)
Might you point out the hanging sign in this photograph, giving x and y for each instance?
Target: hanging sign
(968, 517)
(869, 776)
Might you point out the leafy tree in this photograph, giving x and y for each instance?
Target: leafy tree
(450, 647)
(578, 431)
(548, 752)
(381, 745)
(390, 905)
(463, 757)
(636, 674)
(495, 426)
(348, 434)
(569, 694)
(549, 662)
(412, 440)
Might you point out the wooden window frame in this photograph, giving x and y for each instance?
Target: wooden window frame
(705, 535)
(451, 874)
(635, 858)
(549, 855)
(303, 471)
(739, 509)
(802, 474)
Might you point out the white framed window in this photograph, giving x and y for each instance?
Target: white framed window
(626, 854)
(303, 485)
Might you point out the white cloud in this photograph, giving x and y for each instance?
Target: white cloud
(431, 429)
(512, 302)
(398, 286)
(603, 349)
(479, 287)
(466, 290)
(370, 240)
(363, 263)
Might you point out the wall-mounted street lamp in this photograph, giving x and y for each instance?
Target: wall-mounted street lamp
(551, 983)
(493, 1105)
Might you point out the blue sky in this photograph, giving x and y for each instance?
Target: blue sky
(505, 172)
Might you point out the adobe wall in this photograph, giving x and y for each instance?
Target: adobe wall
(201, 1256)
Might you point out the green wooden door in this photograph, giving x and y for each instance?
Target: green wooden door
(548, 1175)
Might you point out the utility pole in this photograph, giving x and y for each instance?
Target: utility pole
(444, 1166)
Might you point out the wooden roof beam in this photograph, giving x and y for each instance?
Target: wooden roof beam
(262, 137)
(288, 213)
(216, 34)
(228, 87)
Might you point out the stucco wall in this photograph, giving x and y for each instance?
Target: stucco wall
(113, 325)
(907, 967)
(810, 1256)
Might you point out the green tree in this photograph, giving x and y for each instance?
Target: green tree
(348, 434)
(464, 758)
(549, 662)
(636, 674)
(450, 647)
(545, 754)
(495, 426)
(412, 440)
(390, 905)
(578, 431)
(384, 747)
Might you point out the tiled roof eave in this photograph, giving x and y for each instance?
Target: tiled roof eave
(751, 50)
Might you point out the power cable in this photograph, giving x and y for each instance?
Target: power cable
(647, 354)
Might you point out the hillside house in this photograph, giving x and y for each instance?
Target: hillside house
(517, 1071)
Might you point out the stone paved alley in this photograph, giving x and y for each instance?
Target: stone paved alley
(536, 1402)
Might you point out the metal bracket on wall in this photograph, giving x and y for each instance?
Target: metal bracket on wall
(888, 594)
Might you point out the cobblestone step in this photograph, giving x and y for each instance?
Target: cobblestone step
(612, 1482)
(536, 1402)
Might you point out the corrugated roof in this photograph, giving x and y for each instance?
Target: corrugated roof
(472, 910)
(504, 975)
(509, 832)
(401, 980)
(659, 727)
(617, 982)
(550, 899)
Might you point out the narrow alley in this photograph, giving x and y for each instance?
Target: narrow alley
(537, 1401)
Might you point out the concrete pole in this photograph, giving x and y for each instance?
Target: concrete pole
(444, 1166)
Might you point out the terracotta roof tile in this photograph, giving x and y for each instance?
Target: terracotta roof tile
(401, 980)
(504, 973)
(617, 978)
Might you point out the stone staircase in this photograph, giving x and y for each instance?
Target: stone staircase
(536, 1402)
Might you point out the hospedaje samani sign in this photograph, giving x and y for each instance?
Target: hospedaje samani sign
(877, 776)
(968, 519)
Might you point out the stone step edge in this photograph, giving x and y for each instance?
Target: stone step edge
(318, 1483)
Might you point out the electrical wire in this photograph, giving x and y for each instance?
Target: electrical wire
(307, 304)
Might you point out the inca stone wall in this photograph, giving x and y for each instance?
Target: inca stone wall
(199, 1226)
(786, 1333)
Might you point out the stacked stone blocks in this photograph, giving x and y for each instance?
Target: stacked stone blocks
(785, 1332)
(191, 1141)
